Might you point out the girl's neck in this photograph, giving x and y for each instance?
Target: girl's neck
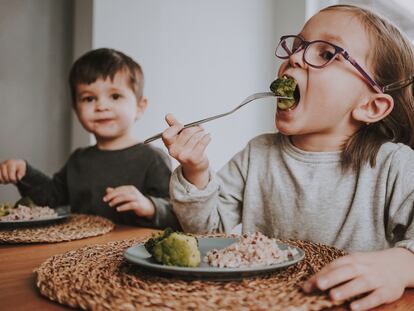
(318, 143)
(115, 143)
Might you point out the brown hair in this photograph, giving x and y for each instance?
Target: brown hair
(104, 63)
(392, 60)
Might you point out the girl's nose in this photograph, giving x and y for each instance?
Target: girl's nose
(297, 59)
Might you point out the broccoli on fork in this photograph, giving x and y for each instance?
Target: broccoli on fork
(284, 86)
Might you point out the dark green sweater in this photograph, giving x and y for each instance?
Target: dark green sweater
(82, 182)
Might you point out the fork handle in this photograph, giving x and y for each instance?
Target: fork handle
(159, 135)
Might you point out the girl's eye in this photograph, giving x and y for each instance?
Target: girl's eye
(116, 96)
(327, 55)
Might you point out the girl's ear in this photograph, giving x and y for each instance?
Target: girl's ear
(142, 106)
(374, 109)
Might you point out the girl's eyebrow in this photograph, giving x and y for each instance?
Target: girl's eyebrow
(330, 37)
(326, 37)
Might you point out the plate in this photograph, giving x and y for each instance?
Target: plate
(63, 213)
(138, 255)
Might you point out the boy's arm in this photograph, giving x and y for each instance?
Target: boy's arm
(42, 189)
(157, 190)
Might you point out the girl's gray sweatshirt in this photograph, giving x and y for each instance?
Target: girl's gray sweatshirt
(275, 188)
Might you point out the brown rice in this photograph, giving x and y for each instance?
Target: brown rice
(251, 250)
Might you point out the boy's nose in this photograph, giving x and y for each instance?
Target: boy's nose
(102, 104)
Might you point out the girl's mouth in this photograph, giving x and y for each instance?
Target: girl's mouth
(287, 87)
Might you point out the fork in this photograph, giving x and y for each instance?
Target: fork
(243, 103)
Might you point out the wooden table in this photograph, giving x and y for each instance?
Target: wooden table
(17, 262)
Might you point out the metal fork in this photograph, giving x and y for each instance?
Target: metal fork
(244, 102)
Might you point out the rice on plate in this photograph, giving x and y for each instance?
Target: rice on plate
(22, 212)
(252, 250)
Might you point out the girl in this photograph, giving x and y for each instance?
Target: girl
(340, 171)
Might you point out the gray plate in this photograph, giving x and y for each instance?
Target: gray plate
(138, 255)
(63, 213)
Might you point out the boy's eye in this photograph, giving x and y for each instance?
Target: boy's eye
(87, 99)
(116, 96)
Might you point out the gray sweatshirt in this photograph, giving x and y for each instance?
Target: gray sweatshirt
(275, 188)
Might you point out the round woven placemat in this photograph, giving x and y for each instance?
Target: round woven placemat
(99, 278)
(76, 227)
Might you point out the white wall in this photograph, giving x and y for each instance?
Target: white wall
(201, 58)
(35, 49)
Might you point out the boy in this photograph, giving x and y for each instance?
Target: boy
(118, 178)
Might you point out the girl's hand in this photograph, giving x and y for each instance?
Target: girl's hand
(188, 147)
(129, 198)
(11, 171)
(381, 275)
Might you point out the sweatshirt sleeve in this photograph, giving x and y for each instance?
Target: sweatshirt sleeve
(217, 207)
(157, 190)
(400, 229)
(42, 189)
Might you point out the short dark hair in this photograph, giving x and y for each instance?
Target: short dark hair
(104, 63)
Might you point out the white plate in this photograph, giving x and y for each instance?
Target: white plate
(63, 213)
(138, 255)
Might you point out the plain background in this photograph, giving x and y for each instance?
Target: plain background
(199, 58)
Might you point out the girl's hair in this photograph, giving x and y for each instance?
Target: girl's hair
(104, 63)
(392, 60)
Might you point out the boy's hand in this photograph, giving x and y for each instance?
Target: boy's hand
(188, 147)
(129, 198)
(381, 275)
(11, 171)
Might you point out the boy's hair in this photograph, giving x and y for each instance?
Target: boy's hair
(104, 63)
(392, 60)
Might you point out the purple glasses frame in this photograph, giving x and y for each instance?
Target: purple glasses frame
(338, 50)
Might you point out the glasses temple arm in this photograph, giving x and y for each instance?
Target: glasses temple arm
(374, 84)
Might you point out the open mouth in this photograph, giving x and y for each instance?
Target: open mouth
(287, 87)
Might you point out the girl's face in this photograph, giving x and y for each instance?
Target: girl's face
(323, 120)
(108, 109)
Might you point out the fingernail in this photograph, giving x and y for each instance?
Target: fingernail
(322, 283)
(336, 295)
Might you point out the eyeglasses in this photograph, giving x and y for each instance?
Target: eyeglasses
(319, 54)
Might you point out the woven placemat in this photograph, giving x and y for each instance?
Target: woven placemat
(76, 227)
(99, 278)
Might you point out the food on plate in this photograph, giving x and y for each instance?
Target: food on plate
(284, 86)
(25, 209)
(5, 208)
(251, 250)
(25, 201)
(174, 249)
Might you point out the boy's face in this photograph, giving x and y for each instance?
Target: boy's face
(327, 95)
(108, 109)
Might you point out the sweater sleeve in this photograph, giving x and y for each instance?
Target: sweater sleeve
(217, 207)
(400, 229)
(157, 190)
(42, 189)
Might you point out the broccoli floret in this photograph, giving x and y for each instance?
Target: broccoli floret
(174, 249)
(157, 237)
(284, 86)
(5, 208)
(25, 201)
